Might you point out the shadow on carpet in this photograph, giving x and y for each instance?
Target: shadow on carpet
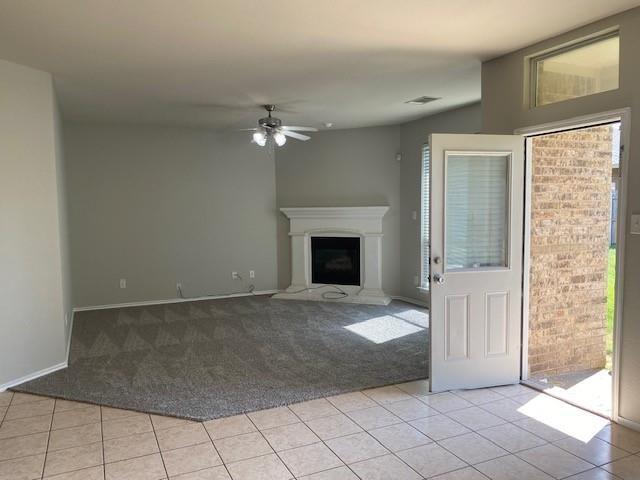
(215, 358)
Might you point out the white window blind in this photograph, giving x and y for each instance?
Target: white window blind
(424, 230)
(476, 211)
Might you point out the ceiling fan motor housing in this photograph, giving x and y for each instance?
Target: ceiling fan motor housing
(270, 122)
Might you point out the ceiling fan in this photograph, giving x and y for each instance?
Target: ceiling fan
(271, 127)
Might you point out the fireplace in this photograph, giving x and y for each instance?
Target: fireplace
(336, 246)
(335, 260)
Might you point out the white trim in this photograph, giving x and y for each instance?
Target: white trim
(73, 313)
(33, 376)
(413, 301)
(576, 122)
(622, 115)
(625, 141)
(172, 300)
(335, 212)
(526, 266)
(628, 423)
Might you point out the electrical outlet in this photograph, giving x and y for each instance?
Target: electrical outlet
(252, 274)
(66, 320)
(235, 276)
(414, 215)
(123, 283)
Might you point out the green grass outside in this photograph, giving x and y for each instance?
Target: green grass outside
(611, 297)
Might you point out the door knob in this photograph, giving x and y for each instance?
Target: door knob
(437, 278)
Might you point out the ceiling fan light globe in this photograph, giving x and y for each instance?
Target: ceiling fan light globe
(260, 138)
(280, 139)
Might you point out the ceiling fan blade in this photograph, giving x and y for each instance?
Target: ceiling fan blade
(297, 136)
(247, 129)
(300, 129)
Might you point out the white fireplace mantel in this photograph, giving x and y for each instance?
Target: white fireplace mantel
(363, 222)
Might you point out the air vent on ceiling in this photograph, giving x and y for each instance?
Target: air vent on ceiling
(422, 100)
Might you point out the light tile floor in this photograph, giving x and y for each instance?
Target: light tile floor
(391, 433)
(590, 389)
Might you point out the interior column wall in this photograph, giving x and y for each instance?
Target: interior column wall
(35, 306)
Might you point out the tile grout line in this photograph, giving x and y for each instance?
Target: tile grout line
(476, 432)
(323, 442)
(389, 452)
(155, 436)
(104, 468)
(488, 439)
(627, 453)
(4, 416)
(92, 466)
(216, 450)
(46, 451)
(266, 440)
(516, 454)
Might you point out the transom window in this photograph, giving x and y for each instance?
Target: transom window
(581, 69)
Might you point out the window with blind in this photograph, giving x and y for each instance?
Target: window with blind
(476, 211)
(424, 229)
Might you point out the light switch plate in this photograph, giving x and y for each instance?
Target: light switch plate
(635, 224)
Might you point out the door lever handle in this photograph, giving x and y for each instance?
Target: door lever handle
(438, 279)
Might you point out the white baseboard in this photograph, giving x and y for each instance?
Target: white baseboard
(33, 376)
(628, 423)
(172, 300)
(413, 301)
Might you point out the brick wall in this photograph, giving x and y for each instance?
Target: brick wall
(556, 87)
(569, 243)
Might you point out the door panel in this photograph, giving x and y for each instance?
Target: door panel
(476, 217)
(497, 330)
(457, 326)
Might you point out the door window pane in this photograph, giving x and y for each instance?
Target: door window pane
(476, 210)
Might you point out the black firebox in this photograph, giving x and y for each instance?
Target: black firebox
(335, 260)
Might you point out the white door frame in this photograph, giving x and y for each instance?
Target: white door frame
(622, 115)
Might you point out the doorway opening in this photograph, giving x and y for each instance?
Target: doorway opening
(572, 223)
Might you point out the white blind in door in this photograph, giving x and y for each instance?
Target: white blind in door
(424, 230)
(476, 211)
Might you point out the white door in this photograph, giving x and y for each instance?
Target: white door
(476, 222)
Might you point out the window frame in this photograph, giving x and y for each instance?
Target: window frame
(533, 61)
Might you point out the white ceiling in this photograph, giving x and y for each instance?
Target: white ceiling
(210, 62)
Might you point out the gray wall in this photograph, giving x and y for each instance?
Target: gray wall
(413, 136)
(504, 109)
(157, 205)
(33, 276)
(355, 167)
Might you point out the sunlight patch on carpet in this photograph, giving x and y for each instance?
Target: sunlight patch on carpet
(383, 329)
